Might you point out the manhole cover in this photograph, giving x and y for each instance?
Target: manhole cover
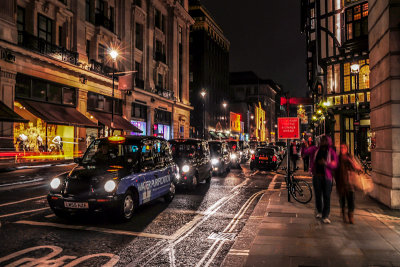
(222, 236)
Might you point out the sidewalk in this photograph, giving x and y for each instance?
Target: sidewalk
(279, 233)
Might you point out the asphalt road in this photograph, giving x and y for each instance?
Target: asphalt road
(196, 229)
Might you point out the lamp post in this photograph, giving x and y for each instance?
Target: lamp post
(113, 54)
(355, 70)
(225, 115)
(203, 95)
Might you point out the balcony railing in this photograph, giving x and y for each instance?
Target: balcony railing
(101, 68)
(139, 83)
(160, 57)
(164, 93)
(101, 20)
(39, 45)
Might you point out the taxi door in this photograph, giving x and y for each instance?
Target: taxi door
(162, 168)
(149, 173)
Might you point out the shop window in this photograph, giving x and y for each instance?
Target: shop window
(39, 88)
(108, 104)
(23, 86)
(45, 28)
(337, 85)
(54, 93)
(345, 99)
(69, 96)
(364, 77)
(329, 78)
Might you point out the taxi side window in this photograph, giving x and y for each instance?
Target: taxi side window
(147, 156)
(205, 149)
(166, 152)
(158, 157)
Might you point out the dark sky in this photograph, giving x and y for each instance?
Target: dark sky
(265, 38)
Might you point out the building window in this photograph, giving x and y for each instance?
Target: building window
(88, 49)
(139, 36)
(160, 80)
(45, 28)
(103, 103)
(139, 111)
(357, 21)
(112, 17)
(60, 36)
(157, 19)
(337, 84)
(138, 3)
(20, 19)
(99, 7)
(87, 10)
(101, 53)
(363, 76)
(329, 81)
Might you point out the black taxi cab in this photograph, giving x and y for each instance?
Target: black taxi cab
(193, 159)
(115, 174)
(220, 156)
(264, 158)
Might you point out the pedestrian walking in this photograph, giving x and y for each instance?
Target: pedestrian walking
(345, 186)
(306, 158)
(293, 153)
(323, 163)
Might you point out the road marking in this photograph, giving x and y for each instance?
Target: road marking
(50, 216)
(22, 212)
(20, 201)
(95, 229)
(51, 260)
(239, 252)
(23, 182)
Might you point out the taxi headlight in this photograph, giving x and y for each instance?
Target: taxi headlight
(55, 183)
(185, 168)
(109, 186)
(233, 156)
(214, 161)
(241, 152)
(251, 151)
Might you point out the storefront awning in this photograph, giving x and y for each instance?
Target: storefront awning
(8, 115)
(119, 122)
(57, 114)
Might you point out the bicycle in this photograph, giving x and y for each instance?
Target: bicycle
(299, 189)
(366, 165)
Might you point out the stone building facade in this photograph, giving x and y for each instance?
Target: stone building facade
(384, 45)
(209, 71)
(56, 70)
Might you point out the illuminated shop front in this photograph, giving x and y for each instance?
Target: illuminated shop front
(259, 121)
(162, 124)
(53, 119)
(139, 118)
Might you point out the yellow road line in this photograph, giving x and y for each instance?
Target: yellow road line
(20, 201)
(95, 229)
(22, 212)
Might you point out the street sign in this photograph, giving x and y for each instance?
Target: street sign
(288, 128)
(297, 101)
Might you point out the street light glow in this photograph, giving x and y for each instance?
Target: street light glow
(203, 93)
(113, 54)
(224, 104)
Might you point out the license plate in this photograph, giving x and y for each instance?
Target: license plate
(263, 158)
(76, 205)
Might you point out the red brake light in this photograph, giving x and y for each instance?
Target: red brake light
(253, 157)
(274, 158)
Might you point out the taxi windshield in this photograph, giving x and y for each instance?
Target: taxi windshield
(104, 153)
(215, 148)
(180, 150)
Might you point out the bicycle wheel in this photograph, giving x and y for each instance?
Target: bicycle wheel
(301, 191)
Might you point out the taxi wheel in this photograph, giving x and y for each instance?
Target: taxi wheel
(208, 179)
(171, 194)
(128, 206)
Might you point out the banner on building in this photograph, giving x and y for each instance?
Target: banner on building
(235, 122)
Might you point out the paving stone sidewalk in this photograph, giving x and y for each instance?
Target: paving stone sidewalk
(279, 233)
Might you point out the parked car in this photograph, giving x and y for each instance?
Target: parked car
(193, 159)
(236, 156)
(264, 158)
(220, 157)
(115, 174)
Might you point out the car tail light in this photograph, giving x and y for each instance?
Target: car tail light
(253, 157)
(274, 158)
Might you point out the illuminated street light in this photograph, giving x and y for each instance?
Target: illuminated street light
(224, 104)
(326, 104)
(319, 111)
(113, 54)
(355, 68)
(203, 95)
(314, 118)
(252, 117)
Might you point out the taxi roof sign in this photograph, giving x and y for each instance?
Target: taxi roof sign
(116, 139)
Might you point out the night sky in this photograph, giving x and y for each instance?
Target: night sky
(265, 38)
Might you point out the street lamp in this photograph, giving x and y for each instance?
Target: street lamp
(226, 116)
(113, 54)
(355, 70)
(203, 95)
